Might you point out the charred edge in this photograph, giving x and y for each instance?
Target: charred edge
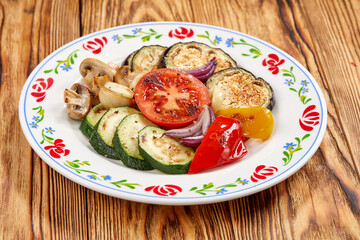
(192, 109)
(152, 79)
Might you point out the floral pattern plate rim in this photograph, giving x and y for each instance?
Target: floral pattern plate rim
(300, 115)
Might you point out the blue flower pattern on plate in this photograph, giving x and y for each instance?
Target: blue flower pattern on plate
(50, 130)
(66, 68)
(230, 42)
(289, 146)
(136, 30)
(289, 82)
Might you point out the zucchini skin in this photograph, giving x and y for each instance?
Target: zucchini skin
(86, 128)
(128, 160)
(101, 147)
(171, 169)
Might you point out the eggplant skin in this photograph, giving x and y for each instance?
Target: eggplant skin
(191, 55)
(148, 58)
(128, 59)
(239, 88)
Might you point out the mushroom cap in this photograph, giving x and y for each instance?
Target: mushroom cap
(78, 100)
(91, 67)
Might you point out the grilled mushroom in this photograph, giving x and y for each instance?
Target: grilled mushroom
(125, 77)
(113, 66)
(91, 68)
(78, 100)
(115, 95)
(122, 76)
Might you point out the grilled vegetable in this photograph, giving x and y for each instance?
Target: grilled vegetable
(256, 122)
(193, 133)
(238, 88)
(193, 55)
(115, 95)
(102, 136)
(204, 72)
(148, 58)
(129, 58)
(89, 122)
(78, 101)
(221, 145)
(163, 152)
(91, 67)
(126, 141)
(170, 97)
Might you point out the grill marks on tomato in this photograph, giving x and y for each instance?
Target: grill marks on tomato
(170, 97)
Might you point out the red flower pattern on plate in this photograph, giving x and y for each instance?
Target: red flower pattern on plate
(181, 33)
(95, 46)
(273, 62)
(166, 190)
(310, 118)
(262, 172)
(40, 87)
(58, 149)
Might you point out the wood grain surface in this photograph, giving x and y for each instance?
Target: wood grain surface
(321, 201)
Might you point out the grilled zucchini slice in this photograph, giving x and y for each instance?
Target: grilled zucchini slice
(192, 55)
(163, 152)
(89, 122)
(126, 141)
(102, 136)
(238, 88)
(148, 58)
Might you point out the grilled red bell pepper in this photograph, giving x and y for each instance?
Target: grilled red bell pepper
(222, 144)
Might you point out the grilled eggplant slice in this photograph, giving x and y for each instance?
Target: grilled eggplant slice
(129, 58)
(238, 88)
(148, 58)
(192, 55)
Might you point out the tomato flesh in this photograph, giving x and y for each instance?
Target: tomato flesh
(223, 142)
(256, 122)
(170, 98)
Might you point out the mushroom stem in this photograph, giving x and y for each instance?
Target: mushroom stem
(78, 101)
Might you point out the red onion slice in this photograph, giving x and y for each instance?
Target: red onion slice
(204, 72)
(188, 131)
(205, 77)
(206, 121)
(192, 141)
(192, 135)
(212, 115)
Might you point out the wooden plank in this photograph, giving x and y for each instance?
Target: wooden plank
(15, 162)
(36, 202)
(339, 64)
(66, 199)
(307, 205)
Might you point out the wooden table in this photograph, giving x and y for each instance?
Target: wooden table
(321, 201)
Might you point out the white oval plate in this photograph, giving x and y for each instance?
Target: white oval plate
(300, 117)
